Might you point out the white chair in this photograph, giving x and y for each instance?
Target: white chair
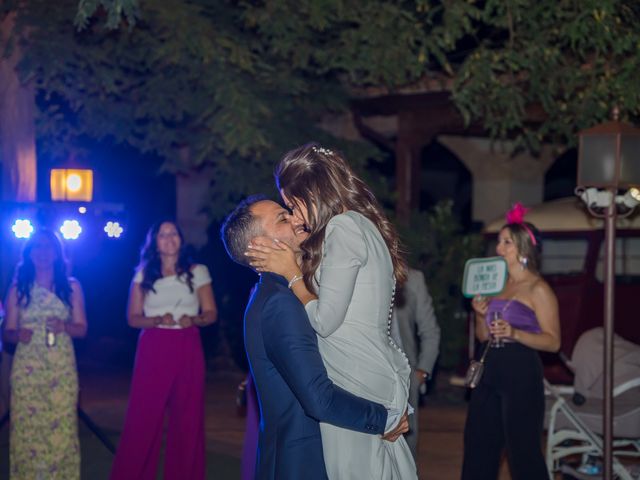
(577, 429)
(574, 429)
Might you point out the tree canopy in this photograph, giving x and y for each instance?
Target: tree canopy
(188, 81)
(234, 84)
(530, 70)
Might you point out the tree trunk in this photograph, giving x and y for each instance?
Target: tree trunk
(17, 125)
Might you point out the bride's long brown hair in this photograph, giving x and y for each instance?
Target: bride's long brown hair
(323, 180)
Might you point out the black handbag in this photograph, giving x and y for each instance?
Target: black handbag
(476, 369)
(241, 399)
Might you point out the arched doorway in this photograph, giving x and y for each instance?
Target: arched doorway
(443, 176)
(560, 178)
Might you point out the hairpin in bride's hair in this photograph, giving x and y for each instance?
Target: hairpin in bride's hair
(323, 151)
(516, 215)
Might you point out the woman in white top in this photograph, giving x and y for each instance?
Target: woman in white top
(170, 298)
(350, 263)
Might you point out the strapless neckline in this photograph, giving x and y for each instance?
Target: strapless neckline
(514, 300)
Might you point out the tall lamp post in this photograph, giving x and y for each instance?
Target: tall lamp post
(608, 181)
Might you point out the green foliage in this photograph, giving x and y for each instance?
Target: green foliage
(574, 61)
(114, 9)
(532, 71)
(235, 83)
(437, 246)
(364, 43)
(191, 83)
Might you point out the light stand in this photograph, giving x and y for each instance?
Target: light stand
(607, 162)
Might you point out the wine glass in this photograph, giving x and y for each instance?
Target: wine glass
(496, 342)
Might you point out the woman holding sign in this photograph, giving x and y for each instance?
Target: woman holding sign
(507, 407)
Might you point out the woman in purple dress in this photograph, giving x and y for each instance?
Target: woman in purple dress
(507, 407)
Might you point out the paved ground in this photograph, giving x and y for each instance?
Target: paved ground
(104, 393)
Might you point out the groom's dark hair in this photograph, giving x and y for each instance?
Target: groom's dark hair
(239, 227)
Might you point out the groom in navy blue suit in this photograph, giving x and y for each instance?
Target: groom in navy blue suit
(291, 380)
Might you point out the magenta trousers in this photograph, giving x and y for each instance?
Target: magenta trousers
(168, 377)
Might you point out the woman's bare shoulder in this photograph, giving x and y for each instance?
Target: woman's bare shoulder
(541, 291)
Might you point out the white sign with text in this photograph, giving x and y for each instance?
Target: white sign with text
(484, 276)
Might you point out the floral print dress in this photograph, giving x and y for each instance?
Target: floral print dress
(44, 393)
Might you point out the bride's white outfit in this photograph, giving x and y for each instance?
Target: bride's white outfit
(351, 316)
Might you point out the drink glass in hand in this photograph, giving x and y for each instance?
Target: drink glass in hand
(496, 342)
(50, 338)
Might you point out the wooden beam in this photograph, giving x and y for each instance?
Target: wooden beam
(409, 145)
(432, 110)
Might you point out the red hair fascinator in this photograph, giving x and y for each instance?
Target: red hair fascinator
(516, 215)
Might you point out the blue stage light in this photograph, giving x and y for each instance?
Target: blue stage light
(113, 229)
(22, 228)
(70, 229)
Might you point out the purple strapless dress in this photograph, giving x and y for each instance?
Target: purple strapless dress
(516, 313)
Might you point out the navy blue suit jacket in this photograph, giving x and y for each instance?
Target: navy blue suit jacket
(293, 388)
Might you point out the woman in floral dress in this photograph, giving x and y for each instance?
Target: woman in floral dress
(45, 309)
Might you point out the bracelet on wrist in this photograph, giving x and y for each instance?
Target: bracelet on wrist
(294, 280)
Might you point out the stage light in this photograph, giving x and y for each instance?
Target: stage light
(631, 199)
(74, 182)
(113, 229)
(70, 229)
(22, 228)
(82, 209)
(593, 197)
(71, 185)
